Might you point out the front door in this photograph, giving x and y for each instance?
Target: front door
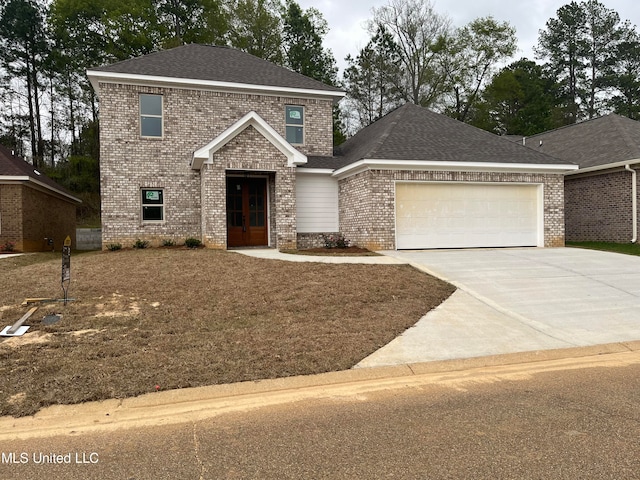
(246, 212)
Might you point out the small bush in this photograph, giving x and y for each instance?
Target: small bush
(8, 247)
(140, 244)
(112, 247)
(167, 242)
(335, 241)
(192, 242)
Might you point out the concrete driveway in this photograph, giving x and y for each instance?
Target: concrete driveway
(516, 300)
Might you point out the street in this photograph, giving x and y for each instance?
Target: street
(577, 418)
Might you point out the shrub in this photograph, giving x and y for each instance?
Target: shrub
(139, 244)
(335, 241)
(192, 242)
(8, 247)
(112, 247)
(168, 242)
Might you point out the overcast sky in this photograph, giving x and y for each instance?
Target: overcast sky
(347, 19)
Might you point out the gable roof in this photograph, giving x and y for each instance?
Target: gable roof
(413, 133)
(205, 154)
(13, 168)
(593, 143)
(213, 66)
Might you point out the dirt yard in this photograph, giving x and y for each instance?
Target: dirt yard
(178, 318)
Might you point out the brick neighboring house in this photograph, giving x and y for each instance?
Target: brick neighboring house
(33, 207)
(601, 198)
(213, 143)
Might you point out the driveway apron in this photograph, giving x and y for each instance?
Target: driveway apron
(515, 300)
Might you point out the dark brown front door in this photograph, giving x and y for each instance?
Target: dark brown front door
(246, 212)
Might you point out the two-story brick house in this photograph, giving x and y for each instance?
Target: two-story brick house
(213, 143)
(202, 141)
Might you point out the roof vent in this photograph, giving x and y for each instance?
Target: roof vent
(37, 172)
(540, 143)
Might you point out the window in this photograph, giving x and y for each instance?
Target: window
(152, 205)
(151, 115)
(294, 122)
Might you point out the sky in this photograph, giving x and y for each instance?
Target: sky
(347, 19)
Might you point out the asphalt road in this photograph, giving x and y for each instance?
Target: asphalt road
(578, 418)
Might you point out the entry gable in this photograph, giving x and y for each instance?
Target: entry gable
(205, 154)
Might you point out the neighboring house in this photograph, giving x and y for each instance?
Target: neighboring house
(601, 198)
(36, 214)
(213, 143)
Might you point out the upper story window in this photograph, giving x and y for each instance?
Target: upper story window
(294, 124)
(151, 115)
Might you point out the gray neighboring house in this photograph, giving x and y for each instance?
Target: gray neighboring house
(213, 143)
(601, 197)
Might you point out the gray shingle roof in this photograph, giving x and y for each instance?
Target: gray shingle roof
(609, 139)
(213, 63)
(415, 133)
(13, 166)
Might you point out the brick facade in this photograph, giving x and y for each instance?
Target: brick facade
(28, 215)
(598, 207)
(250, 153)
(195, 200)
(367, 202)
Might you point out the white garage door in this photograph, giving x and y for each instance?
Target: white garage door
(459, 215)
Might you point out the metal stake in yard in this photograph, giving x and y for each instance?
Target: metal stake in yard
(66, 267)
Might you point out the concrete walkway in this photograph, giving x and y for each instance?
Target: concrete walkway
(9, 255)
(274, 254)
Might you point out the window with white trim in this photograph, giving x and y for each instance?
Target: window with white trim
(152, 205)
(294, 124)
(151, 115)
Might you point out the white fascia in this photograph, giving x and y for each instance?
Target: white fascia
(371, 164)
(150, 80)
(315, 171)
(205, 154)
(25, 178)
(607, 166)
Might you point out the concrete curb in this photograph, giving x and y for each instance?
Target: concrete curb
(194, 404)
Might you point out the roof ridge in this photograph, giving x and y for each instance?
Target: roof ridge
(201, 62)
(583, 122)
(397, 114)
(628, 139)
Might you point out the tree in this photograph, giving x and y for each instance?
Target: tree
(563, 45)
(474, 52)
(422, 36)
(603, 35)
(304, 53)
(191, 21)
(624, 76)
(517, 101)
(23, 46)
(256, 28)
(370, 78)
(580, 47)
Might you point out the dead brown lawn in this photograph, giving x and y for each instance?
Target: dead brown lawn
(184, 318)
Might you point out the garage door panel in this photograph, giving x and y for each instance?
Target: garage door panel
(462, 215)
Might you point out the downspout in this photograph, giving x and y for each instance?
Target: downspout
(634, 201)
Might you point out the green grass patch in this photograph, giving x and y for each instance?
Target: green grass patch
(626, 248)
